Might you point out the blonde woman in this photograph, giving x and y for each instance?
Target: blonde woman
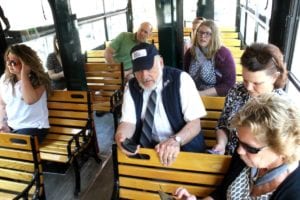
(266, 163)
(210, 64)
(23, 93)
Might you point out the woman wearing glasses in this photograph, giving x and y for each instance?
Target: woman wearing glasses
(210, 64)
(266, 165)
(263, 72)
(23, 93)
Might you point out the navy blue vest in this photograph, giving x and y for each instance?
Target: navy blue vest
(170, 98)
(172, 105)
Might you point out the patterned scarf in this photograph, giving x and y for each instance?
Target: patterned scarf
(202, 71)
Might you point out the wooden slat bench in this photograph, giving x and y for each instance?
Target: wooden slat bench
(228, 42)
(239, 75)
(214, 107)
(229, 35)
(236, 51)
(72, 132)
(92, 56)
(106, 83)
(142, 178)
(20, 167)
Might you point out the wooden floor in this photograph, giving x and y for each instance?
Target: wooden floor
(102, 187)
(96, 179)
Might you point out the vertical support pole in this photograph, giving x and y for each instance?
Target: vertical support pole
(69, 44)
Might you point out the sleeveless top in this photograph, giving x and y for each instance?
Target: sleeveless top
(20, 114)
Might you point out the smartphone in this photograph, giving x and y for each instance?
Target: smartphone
(211, 151)
(129, 145)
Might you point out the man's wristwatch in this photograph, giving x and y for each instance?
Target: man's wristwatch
(177, 139)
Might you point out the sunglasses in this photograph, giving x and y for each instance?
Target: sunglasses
(11, 63)
(250, 149)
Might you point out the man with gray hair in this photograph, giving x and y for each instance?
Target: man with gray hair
(119, 48)
(161, 108)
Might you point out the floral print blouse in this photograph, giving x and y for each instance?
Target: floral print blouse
(236, 98)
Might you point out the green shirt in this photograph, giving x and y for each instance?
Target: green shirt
(122, 45)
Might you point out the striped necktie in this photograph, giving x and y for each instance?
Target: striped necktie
(146, 135)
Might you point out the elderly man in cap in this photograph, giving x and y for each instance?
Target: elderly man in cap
(161, 108)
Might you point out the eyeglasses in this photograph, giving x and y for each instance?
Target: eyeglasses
(11, 63)
(250, 149)
(204, 34)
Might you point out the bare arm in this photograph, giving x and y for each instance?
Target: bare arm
(169, 149)
(108, 54)
(222, 140)
(30, 94)
(3, 117)
(125, 130)
(55, 76)
(189, 131)
(208, 198)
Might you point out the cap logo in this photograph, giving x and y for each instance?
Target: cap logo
(139, 53)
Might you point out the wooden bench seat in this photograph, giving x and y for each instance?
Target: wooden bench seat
(137, 178)
(106, 84)
(95, 56)
(214, 107)
(229, 42)
(72, 132)
(239, 75)
(236, 52)
(229, 35)
(20, 167)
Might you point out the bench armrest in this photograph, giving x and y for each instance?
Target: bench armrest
(116, 99)
(85, 134)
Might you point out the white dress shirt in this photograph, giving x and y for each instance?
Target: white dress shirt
(191, 104)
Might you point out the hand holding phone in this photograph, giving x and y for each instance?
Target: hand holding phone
(129, 145)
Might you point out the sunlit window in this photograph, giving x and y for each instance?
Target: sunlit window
(295, 69)
(242, 24)
(143, 10)
(262, 34)
(20, 18)
(86, 8)
(225, 12)
(116, 25)
(189, 12)
(250, 30)
(92, 35)
(112, 5)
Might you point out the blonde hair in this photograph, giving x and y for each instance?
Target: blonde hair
(274, 121)
(38, 76)
(214, 43)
